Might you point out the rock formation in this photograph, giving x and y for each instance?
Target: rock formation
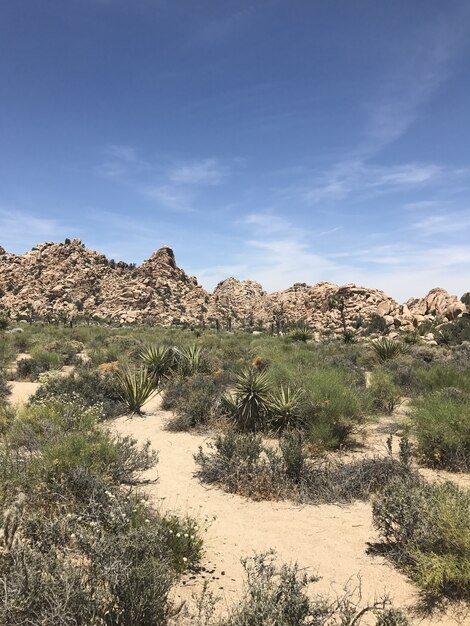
(67, 281)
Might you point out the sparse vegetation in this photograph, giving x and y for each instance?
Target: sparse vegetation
(426, 528)
(244, 464)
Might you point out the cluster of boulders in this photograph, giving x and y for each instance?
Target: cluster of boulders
(67, 281)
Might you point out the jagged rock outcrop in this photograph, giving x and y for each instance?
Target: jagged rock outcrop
(63, 281)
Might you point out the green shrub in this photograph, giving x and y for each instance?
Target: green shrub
(427, 530)
(440, 376)
(335, 404)
(385, 395)
(88, 385)
(79, 549)
(457, 331)
(376, 325)
(194, 400)
(441, 425)
(40, 361)
(5, 388)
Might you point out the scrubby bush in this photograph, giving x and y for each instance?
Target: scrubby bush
(77, 547)
(279, 596)
(194, 400)
(335, 405)
(40, 361)
(426, 528)
(385, 395)
(88, 385)
(441, 425)
(458, 331)
(376, 325)
(243, 464)
(5, 388)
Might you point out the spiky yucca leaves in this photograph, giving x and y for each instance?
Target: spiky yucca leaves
(159, 361)
(284, 405)
(249, 403)
(135, 386)
(302, 332)
(387, 349)
(190, 360)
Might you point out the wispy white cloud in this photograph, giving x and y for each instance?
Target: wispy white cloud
(19, 228)
(172, 184)
(169, 197)
(443, 224)
(362, 179)
(202, 172)
(219, 29)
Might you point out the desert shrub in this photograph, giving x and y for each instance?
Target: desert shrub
(386, 349)
(440, 376)
(88, 385)
(460, 355)
(68, 436)
(77, 547)
(441, 425)
(40, 361)
(411, 337)
(194, 400)
(457, 331)
(243, 464)
(426, 528)
(404, 371)
(5, 388)
(335, 404)
(385, 395)
(376, 325)
(7, 350)
(248, 405)
(135, 387)
(279, 596)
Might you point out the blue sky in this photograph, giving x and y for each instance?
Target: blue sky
(280, 140)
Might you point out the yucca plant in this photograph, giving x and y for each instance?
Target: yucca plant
(189, 359)
(301, 332)
(249, 403)
(135, 387)
(158, 360)
(284, 405)
(387, 349)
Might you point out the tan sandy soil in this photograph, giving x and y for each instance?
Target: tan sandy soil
(21, 392)
(327, 539)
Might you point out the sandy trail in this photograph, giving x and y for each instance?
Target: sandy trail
(328, 539)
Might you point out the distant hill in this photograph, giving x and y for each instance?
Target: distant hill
(67, 281)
